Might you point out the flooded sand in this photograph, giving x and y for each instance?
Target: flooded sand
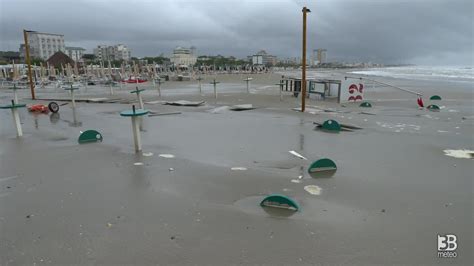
(393, 192)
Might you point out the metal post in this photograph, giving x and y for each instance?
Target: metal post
(200, 85)
(303, 74)
(248, 79)
(159, 87)
(28, 62)
(136, 134)
(215, 88)
(15, 94)
(73, 99)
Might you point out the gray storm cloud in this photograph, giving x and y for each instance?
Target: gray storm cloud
(397, 31)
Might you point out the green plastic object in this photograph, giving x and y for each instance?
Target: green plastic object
(279, 201)
(365, 104)
(89, 136)
(137, 90)
(137, 112)
(11, 106)
(321, 165)
(435, 98)
(331, 125)
(433, 107)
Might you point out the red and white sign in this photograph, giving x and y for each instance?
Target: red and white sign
(352, 90)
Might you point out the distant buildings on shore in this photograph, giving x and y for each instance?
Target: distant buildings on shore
(262, 58)
(184, 56)
(75, 53)
(117, 52)
(43, 45)
(318, 57)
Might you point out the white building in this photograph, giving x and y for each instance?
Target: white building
(101, 52)
(318, 57)
(115, 52)
(43, 45)
(75, 53)
(184, 56)
(262, 58)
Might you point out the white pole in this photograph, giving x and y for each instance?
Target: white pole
(159, 87)
(111, 89)
(140, 101)
(215, 89)
(15, 96)
(16, 119)
(200, 87)
(73, 100)
(136, 134)
(281, 91)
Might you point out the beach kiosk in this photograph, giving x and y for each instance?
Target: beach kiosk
(134, 114)
(16, 117)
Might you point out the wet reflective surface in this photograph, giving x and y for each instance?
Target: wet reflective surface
(63, 203)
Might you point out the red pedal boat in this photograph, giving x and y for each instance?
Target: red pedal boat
(134, 80)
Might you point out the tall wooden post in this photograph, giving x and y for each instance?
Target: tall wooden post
(28, 62)
(303, 62)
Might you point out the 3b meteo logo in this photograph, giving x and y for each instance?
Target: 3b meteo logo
(447, 246)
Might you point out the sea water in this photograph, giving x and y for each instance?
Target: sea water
(446, 73)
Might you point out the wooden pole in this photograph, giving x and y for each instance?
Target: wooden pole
(28, 61)
(303, 62)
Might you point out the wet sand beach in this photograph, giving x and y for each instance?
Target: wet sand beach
(394, 190)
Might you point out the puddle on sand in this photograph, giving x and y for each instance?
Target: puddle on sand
(464, 154)
(238, 168)
(169, 156)
(313, 189)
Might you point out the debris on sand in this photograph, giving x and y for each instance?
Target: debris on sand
(138, 164)
(242, 107)
(464, 154)
(238, 168)
(343, 126)
(153, 102)
(151, 114)
(168, 156)
(185, 103)
(297, 155)
(219, 109)
(367, 113)
(313, 189)
(297, 181)
(147, 154)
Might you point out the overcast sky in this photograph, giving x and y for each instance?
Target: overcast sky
(387, 31)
